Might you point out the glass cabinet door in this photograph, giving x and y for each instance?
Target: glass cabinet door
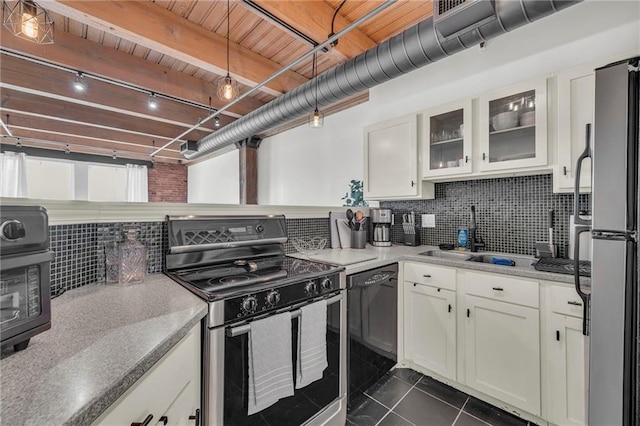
(513, 127)
(447, 140)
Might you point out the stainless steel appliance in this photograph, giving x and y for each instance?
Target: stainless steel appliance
(25, 265)
(380, 231)
(238, 265)
(611, 304)
(373, 326)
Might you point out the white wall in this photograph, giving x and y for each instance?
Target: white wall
(215, 180)
(305, 166)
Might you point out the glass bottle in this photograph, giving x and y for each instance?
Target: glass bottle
(133, 255)
(112, 262)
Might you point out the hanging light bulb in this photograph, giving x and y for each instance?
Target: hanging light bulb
(316, 120)
(79, 85)
(227, 86)
(27, 20)
(216, 121)
(153, 101)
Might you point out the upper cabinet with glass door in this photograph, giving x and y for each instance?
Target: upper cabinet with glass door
(513, 127)
(446, 140)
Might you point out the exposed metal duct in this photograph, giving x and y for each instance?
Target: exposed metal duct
(412, 49)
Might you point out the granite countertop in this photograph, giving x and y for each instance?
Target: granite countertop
(396, 253)
(102, 339)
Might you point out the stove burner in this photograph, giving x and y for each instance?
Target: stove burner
(232, 280)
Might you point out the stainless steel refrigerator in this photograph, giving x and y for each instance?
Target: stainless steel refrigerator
(611, 304)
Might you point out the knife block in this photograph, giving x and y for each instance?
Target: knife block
(412, 239)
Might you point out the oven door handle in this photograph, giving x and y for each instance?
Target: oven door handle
(245, 328)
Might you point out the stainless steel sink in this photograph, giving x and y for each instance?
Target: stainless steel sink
(452, 255)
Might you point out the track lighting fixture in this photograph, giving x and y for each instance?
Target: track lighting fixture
(227, 86)
(153, 101)
(67, 149)
(114, 155)
(216, 121)
(27, 20)
(316, 120)
(79, 84)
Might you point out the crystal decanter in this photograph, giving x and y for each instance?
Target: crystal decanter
(133, 255)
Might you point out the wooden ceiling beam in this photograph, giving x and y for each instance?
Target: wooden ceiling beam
(88, 131)
(15, 101)
(29, 77)
(83, 55)
(313, 18)
(157, 28)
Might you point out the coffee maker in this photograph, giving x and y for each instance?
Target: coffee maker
(380, 231)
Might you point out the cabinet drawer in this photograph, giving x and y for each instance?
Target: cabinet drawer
(499, 287)
(435, 276)
(565, 301)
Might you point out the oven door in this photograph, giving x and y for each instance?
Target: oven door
(25, 299)
(321, 402)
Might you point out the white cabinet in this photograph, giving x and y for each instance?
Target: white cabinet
(502, 338)
(566, 359)
(576, 93)
(447, 140)
(430, 328)
(171, 389)
(391, 161)
(513, 127)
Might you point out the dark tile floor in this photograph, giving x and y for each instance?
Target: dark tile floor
(404, 397)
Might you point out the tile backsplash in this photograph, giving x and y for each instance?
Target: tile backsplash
(511, 213)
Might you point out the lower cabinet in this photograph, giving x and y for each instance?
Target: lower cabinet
(502, 351)
(566, 359)
(430, 328)
(169, 392)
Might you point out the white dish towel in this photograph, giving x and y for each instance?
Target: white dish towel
(270, 366)
(312, 343)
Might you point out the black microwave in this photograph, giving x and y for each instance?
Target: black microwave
(25, 275)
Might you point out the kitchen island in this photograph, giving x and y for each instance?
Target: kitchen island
(103, 338)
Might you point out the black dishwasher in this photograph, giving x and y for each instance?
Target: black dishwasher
(373, 326)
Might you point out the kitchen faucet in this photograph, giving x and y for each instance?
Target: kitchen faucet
(475, 241)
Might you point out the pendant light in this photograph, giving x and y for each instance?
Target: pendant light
(227, 86)
(29, 21)
(316, 120)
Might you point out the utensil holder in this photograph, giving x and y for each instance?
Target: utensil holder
(412, 238)
(358, 239)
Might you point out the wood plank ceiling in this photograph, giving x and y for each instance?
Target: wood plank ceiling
(176, 49)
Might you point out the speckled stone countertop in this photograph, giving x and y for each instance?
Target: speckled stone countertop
(102, 339)
(396, 253)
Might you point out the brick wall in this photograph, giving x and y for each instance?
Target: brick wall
(168, 183)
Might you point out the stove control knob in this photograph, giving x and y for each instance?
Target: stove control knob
(311, 288)
(273, 297)
(260, 229)
(12, 230)
(249, 304)
(326, 283)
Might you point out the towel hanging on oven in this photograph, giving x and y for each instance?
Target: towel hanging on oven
(312, 343)
(270, 366)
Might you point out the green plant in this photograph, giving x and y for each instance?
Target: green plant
(354, 197)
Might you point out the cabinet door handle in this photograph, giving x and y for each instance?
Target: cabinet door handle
(466, 158)
(145, 422)
(449, 310)
(468, 313)
(439, 290)
(413, 184)
(196, 417)
(564, 170)
(484, 156)
(574, 303)
(164, 420)
(427, 276)
(498, 288)
(558, 335)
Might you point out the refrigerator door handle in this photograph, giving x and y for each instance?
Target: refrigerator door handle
(606, 234)
(586, 297)
(576, 191)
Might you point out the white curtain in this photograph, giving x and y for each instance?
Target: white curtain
(13, 175)
(137, 183)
